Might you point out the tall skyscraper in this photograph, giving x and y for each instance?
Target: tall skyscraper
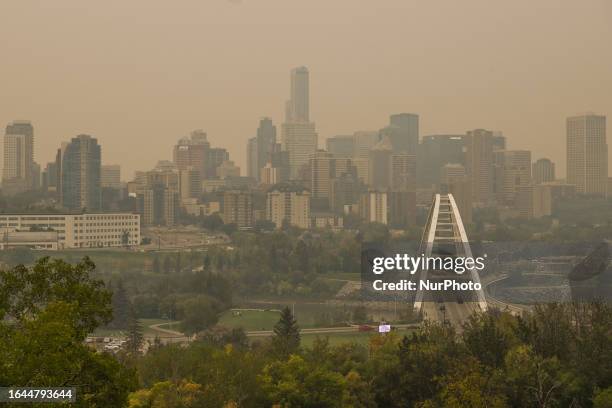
(298, 136)
(260, 148)
(266, 139)
(454, 180)
(279, 161)
(543, 171)
(192, 152)
(340, 146)
(300, 141)
(380, 165)
(587, 153)
(251, 157)
(403, 171)
(238, 208)
(514, 174)
(111, 176)
(479, 164)
(363, 141)
(403, 132)
(18, 157)
(80, 174)
(298, 107)
(289, 204)
(435, 151)
(322, 169)
(374, 207)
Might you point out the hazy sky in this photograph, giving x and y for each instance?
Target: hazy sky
(139, 74)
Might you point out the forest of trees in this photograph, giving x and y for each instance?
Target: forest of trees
(558, 355)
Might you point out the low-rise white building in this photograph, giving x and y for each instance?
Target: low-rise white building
(89, 230)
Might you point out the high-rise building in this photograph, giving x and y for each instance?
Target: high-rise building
(403, 171)
(587, 153)
(298, 107)
(543, 171)
(280, 161)
(190, 184)
(158, 205)
(110, 176)
(159, 193)
(542, 200)
(479, 164)
(345, 190)
(435, 151)
(215, 157)
(322, 167)
(49, 177)
(238, 208)
(453, 180)
(380, 165)
(251, 158)
(269, 175)
(513, 168)
(18, 157)
(80, 174)
(260, 148)
(289, 204)
(373, 207)
(403, 132)
(192, 152)
(363, 141)
(300, 141)
(499, 140)
(228, 169)
(266, 140)
(298, 135)
(402, 208)
(341, 146)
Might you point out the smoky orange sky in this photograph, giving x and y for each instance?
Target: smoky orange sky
(139, 74)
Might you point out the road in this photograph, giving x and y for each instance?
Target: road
(328, 330)
(454, 313)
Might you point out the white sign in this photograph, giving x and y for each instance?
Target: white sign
(384, 328)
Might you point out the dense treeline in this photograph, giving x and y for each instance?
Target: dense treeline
(560, 355)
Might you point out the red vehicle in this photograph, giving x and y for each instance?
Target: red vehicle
(365, 328)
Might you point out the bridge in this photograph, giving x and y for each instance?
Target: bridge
(444, 236)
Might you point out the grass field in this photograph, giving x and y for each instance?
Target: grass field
(250, 319)
(338, 338)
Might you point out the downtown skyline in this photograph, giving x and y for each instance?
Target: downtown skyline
(179, 69)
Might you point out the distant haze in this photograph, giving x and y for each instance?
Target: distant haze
(140, 74)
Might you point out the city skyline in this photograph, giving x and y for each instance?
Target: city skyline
(358, 77)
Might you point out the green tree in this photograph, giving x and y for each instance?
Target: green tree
(286, 339)
(603, 399)
(134, 333)
(46, 311)
(121, 307)
(295, 383)
(167, 394)
(360, 314)
(198, 313)
(485, 339)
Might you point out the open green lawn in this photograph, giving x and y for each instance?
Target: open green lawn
(342, 275)
(336, 339)
(250, 319)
